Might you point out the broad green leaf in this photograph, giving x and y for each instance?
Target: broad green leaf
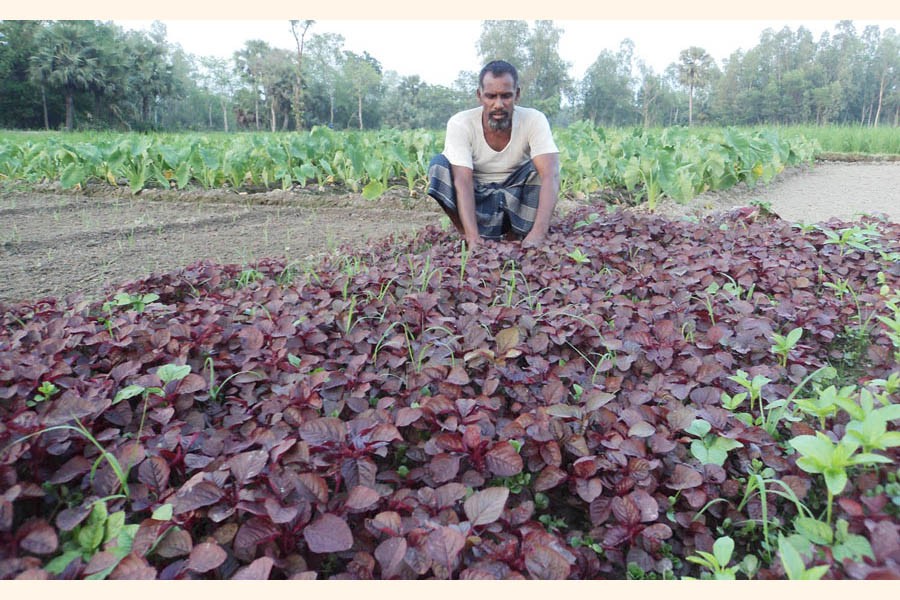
(163, 513)
(128, 392)
(790, 559)
(172, 372)
(373, 190)
(722, 549)
(59, 564)
(114, 524)
(814, 530)
(835, 479)
(699, 428)
(817, 451)
(71, 176)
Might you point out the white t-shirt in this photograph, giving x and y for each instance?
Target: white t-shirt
(465, 146)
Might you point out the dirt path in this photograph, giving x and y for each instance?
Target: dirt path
(53, 244)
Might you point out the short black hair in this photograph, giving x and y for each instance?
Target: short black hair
(498, 68)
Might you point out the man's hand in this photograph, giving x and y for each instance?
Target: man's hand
(533, 240)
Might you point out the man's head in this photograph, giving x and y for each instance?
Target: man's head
(498, 92)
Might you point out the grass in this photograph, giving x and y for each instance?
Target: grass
(850, 139)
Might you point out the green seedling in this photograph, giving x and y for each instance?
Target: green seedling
(852, 237)
(871, 431)
(102, 531)
(710, 448)
(44, 392)
(753, 386)
(843, 545)
(109, 457)
(167, 374)
(717, 561)
(136, 302)
(793, 564)
(819, 454)
(590, 219)
(785, 344)
(216, 390)
(578, 256)
(248, 277)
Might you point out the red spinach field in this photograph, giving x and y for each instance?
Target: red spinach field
(645, 398)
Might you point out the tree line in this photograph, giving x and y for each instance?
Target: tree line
(97, 75)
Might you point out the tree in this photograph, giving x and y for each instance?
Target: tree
(694, 69)
(18, 93)
(546, 77)
(66, 59)
(218, 81)
(363, 74)
(325, 60)
(607, 89)
(504, 40)
(543, 74)
(299, 30)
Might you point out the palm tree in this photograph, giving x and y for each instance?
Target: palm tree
(67, 60)
(695, 65)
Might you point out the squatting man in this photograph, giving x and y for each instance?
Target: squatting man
(498, 175)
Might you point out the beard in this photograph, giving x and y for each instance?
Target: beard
(500, 123)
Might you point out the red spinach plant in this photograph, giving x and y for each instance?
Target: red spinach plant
(414, 411)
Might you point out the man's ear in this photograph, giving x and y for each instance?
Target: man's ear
(518, 93)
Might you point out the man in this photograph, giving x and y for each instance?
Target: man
(498, 175)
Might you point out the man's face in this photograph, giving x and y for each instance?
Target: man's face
(498, 96)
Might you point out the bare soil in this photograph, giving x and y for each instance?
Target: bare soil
(54, 243)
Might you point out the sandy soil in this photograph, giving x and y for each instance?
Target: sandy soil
(54, 243)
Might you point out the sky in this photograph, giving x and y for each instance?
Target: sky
(437, 50)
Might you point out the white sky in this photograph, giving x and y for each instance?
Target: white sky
(437, 50)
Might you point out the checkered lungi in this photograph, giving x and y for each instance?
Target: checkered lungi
(499, 207)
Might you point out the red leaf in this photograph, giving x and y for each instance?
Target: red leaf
(407, 416)
(78, 465)
(154, 472)
(200, 495)
(626, 510)
(390, 554)
(258, 570)
(443, 546)
(133, 567)
(40, 539)
(549, 478)
(443, 467)
(448, 495)
(329, 533)
(458, 376)
(657, 531)
(386, 522)
(361, 498)
(177, 542)
(191, 383)
(252, 533)
(247, 465)
(646, 504)
(486, 506)
(278, 513)
(545, 563)
(684, 478)
(251, 338)
(206, 557)
(325, 430)
(312, 487)
(503, 460)
(588, 489)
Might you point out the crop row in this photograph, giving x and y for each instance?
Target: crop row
(642, 398)
(677, 163)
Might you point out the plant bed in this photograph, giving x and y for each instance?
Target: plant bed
(641, 398)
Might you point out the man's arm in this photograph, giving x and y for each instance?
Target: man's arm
(547, 166)
(464, 183)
